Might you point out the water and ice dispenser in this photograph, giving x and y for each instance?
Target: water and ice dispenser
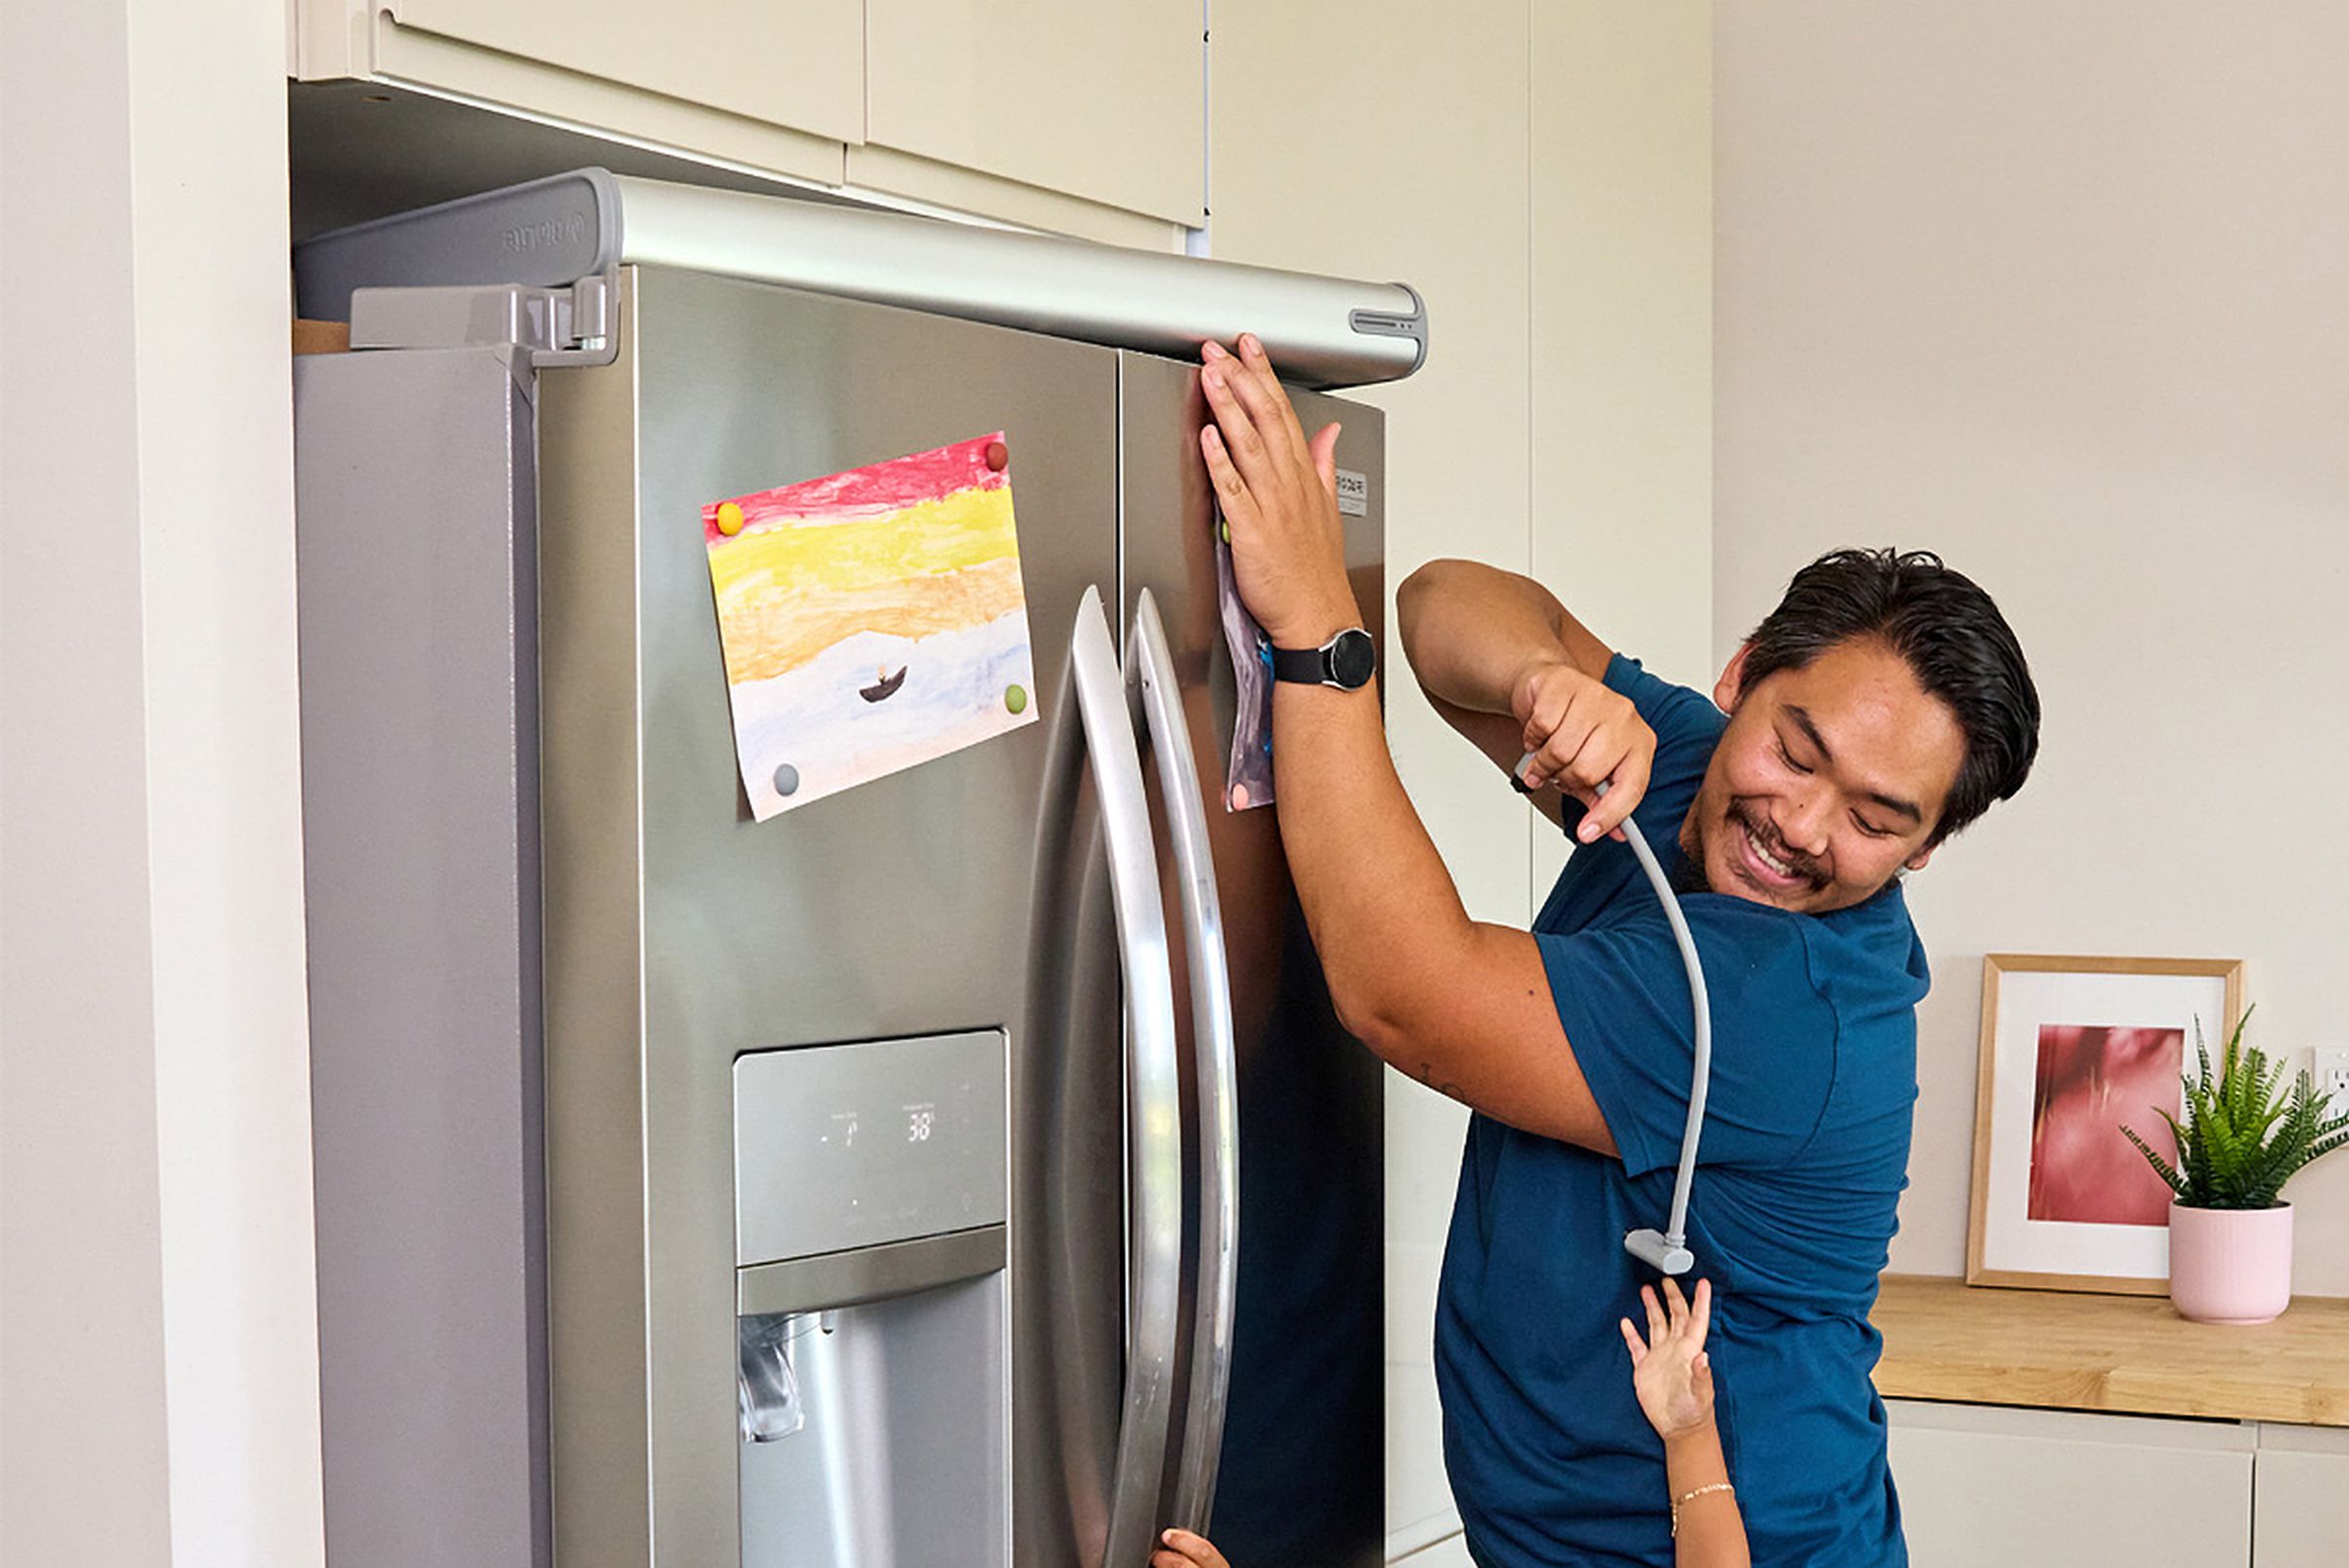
(870, 1190)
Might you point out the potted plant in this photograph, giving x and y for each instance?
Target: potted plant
(2241, 1140)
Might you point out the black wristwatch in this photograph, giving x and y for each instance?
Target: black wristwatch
(1347, 662)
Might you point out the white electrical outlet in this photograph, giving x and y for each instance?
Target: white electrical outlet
(2330, 1067)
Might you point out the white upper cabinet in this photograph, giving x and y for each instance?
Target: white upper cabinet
(1103, 102)
(798, 64)
(1068, 115)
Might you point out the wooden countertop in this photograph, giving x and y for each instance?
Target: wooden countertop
(1947, 1340)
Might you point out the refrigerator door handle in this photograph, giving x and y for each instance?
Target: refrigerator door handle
(1155, 692)
(1153, 1104)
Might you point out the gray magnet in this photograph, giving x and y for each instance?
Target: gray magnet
(787, 780)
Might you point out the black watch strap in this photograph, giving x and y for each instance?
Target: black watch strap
(1307, 665)
(1347, 662)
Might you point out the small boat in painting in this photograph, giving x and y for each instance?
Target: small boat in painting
(886, 685)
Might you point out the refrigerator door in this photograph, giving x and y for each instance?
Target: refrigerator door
(420, 801)
(681, 935)
(1300, 1476)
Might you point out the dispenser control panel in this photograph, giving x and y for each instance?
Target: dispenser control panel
(839, 1146)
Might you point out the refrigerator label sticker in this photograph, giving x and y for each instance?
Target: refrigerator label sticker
(1354, 493)
(871, 621)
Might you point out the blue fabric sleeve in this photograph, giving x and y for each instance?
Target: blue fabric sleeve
(1622, 996)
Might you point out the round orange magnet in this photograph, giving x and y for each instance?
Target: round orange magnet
(730, 519)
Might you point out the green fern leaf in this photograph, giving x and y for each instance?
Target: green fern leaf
(2247, 1125)
(2324, 1146)
(2194, 1176)
(2161, 1167)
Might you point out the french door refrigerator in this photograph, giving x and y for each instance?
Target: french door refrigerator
(966, 1167)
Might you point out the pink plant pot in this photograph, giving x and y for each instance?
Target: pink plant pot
(2230, 1266)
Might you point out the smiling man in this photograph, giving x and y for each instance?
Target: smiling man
(1883, 706)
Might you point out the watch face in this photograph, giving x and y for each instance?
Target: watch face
(1353, 659)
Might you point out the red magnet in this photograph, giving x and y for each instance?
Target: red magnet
(998, 456)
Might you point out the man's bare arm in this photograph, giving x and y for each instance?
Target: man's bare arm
(1462, 1006)
(1473, 632)
(1505, 664)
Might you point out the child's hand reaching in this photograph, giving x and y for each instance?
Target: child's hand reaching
(1670, 1372)
(1674, 1380)
(1179, 1549)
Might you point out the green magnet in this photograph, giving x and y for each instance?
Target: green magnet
(1015, 698)
(1225, 528)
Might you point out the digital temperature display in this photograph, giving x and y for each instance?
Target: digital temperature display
(839, 1146)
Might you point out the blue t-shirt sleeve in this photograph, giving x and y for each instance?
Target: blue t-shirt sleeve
(1622, 995)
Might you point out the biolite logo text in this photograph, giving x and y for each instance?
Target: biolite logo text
(570, 229)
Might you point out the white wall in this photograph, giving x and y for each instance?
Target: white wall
(1541, 174)
(1621, 484)
(81, 1331)
(160, 1370)
(2063, 292)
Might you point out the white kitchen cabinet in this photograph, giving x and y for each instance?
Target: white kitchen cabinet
(1055, 115)
(1992, 1486)
(798, 64)
(2300, 1497)
(1106, 102)
(773, 89)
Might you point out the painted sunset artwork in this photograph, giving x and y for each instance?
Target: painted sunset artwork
(871, 621)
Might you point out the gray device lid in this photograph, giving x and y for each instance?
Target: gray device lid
(1322, 332)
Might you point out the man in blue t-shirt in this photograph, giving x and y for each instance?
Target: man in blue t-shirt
(1881, 706)
(1785, 828)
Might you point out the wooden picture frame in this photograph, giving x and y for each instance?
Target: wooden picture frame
(2054, 1206)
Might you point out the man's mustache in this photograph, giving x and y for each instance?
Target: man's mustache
(1754, 822)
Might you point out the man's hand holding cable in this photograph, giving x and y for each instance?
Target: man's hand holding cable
(1583, 733)
(1279, 493)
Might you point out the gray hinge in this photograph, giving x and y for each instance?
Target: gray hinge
(570, 326)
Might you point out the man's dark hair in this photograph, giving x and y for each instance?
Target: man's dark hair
(1952, 635)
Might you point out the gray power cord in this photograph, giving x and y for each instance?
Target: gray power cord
(1667, 1251)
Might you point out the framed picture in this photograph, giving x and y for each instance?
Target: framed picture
(2073, 1051)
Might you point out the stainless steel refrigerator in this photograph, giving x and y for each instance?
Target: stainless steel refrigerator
(964, 1169)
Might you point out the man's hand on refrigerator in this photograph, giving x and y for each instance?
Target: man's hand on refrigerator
(1179, 1549)
(1278, 494)
(1582, 733)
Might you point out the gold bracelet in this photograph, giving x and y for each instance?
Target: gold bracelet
(1692, 1496)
